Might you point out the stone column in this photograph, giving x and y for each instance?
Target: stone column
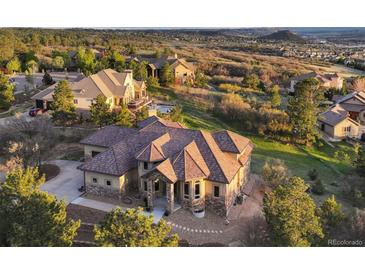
(170, 197)
(149, 194)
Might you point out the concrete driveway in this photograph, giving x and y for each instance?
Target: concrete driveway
(66, 184)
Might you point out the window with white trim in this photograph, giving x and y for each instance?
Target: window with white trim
(108, 183)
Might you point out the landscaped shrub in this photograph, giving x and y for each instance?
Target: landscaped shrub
(318, 187)
(342, 155)
(313, 174)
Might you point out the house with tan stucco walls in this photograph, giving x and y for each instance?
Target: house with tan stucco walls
(166, 163)
(182, 70)
(117, 87)
(346, 118)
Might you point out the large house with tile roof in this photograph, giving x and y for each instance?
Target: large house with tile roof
(118, 88)
(165, 162)
(182, 70)
(346, 118)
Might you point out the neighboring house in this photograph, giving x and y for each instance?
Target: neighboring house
(326, 80)
(181, 69)
(346, 118)
(167, 163)
(118, 88)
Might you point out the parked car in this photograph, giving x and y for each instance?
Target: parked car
(36, 111)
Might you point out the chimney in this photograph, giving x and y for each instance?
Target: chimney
(129, 72)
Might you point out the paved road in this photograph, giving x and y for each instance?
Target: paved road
(66, 184)
(22, 84)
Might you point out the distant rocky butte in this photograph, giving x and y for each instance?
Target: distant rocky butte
(284, 35)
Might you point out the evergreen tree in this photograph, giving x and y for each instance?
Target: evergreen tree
(132, 229)
(167, 76)
(152, 82)
(123, 117)
(176, 114)
(303, 110)
(30, 217)
(274, 95)
(100, 112)
(331, 213)
(360, 161)
(47, 79)
(142, 114)
(201, 81)
(6, 93)
(64, 110)
(291, 215)
(140, 72)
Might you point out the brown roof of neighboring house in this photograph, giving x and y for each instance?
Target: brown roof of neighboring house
(335, 115)
(185, 154)
(107, 82)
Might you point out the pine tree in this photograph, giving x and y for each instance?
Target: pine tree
(123, 117)
(291, 215)
(142, 114)
(133, 229)
(36, 218)
(303, 111)
(6, 93)
(360, 161)
(100, 112)
(167, 76)
(274, 95)
(47, 79)
(64, 110)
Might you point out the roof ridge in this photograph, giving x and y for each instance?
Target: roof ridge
(215, 157)
(194, 159)
(158, 149)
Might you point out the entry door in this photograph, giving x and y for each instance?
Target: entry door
(177, 192)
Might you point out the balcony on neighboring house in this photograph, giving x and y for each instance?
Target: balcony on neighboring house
(137, 104)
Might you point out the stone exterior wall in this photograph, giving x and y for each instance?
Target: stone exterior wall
(97, 183)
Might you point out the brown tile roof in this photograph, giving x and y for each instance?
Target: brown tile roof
(108, 136)
(230, 142)
(334, 115)
(107, 82)
(191, 153)
(189, 164)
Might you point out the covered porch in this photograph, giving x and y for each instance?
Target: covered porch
(161, 193)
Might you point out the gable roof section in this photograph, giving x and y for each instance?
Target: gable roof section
(229, 141)
(189, 164)
(153, 152)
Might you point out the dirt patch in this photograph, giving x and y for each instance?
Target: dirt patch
(49, 170)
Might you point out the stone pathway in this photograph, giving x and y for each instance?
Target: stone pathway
(193, 230)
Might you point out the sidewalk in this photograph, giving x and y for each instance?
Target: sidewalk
(106, 207)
